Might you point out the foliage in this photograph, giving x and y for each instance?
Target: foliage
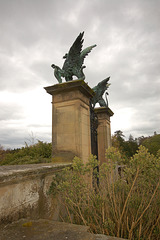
(37, 153)
(130, 147)
(152, 143)
(118, 140)
(2, 152)
(126, 206)
(127, 148)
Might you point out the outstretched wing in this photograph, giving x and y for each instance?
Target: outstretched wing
(101, 87)
(85, 52)
(73, 56)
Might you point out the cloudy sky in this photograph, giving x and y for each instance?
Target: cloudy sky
(36, 33)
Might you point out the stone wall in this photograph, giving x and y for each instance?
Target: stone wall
(23, 192)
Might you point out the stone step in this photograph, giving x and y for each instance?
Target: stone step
(43, 229)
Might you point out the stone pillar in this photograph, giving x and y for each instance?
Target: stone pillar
(103, 131)
(70, 120)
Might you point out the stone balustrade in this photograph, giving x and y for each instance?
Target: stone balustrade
(23, 192)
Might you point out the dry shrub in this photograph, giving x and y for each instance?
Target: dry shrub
(125, 206)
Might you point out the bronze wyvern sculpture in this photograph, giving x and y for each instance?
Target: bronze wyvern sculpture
(73, 65)
(99, 90)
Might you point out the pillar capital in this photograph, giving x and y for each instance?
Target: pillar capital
(104, 112)
(74, 85)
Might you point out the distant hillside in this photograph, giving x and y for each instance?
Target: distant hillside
(152, 143)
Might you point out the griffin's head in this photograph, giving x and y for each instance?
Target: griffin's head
(107, 85)
(53, 66)
(65, 56)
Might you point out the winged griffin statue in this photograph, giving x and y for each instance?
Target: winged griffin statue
(99, 90)
(73, 65)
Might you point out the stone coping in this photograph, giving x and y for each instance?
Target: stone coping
(70, 85)
(14, 172)
(44, 229)
(104, 110)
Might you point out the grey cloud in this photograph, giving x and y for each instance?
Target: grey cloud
(17, 136)
(38, 125)
(43, 70)
(12, 137)
(35, 34)
(11, 111)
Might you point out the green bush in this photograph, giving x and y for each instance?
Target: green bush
(37, 153)
(152, 143)
(125, 206)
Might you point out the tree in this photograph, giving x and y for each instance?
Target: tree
(127, 148)
(140, 140)
(131, 139)
(2, 153)
(119, 135)
(152, 143)
(130, 146)
(118, 140)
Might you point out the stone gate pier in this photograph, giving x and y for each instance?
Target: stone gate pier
(71, 120)
(103, 131)
(71, 126)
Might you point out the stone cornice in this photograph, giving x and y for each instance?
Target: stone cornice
(104, 110)
(71, 85)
